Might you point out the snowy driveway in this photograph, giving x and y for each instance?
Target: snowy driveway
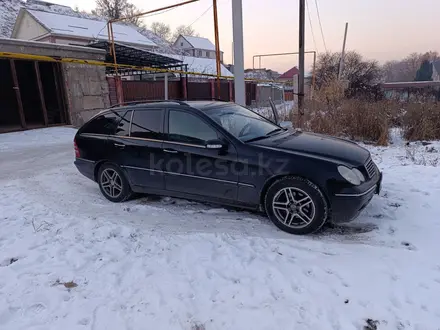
(69, 259)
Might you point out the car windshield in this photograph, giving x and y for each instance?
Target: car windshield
(243, 123)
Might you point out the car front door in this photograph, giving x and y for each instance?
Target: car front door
(138, 148)
(190, 166)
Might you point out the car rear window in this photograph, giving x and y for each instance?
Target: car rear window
(123, 128)
(105, 124)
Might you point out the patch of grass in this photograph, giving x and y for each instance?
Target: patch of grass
(421, 121)
(68, 285)
(330, 112)
(371, 324)
(198, 326)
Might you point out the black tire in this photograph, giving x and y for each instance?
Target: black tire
(310, 217)
(120, 181)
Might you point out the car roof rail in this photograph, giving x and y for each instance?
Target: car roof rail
(149, 101)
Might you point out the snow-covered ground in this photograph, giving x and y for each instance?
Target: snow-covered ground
(69, 259)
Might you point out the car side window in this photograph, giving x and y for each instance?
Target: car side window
(123, 128)
(147, 124)
(188, 128)
(105, 124)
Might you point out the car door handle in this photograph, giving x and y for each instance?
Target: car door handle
(171, 151)
(119, 145)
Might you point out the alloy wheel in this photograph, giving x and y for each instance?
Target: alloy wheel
(111, 183)
(293, 207)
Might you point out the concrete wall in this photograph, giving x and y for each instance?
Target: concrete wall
(87, 91)
(67, 41)
(50, 49)
(29, 28)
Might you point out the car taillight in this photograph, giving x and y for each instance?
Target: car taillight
(76, 149)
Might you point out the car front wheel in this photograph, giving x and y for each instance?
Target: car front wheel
(113, 184)
(296, 205)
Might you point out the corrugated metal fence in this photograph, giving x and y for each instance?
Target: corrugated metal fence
(180, 90)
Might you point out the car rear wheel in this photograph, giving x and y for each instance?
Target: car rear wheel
(296, 205)
(113, 184)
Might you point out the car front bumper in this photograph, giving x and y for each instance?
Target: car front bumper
(347, 206)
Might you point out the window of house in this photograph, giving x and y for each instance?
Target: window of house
(181, 44)
(147, 124)
(199, 53)
(207, 54)
(187, 128)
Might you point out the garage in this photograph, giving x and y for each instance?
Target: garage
(40, 87)
(31, 95)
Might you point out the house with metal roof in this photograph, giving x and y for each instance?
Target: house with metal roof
(37, 25)
(197, 46)
(72, 28)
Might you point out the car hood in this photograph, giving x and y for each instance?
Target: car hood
(318, 145)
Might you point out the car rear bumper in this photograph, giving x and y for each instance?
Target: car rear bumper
(346, 207)
(85, 167)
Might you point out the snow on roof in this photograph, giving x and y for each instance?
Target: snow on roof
(89, 28)
(8, 13)
(201, 65)
(200, 42)
(262, 74)
(163, 45)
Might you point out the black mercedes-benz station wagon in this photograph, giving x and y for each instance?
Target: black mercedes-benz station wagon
(223, 153)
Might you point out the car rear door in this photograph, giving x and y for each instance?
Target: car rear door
(92, 138)
(139, 150)
(191, 167)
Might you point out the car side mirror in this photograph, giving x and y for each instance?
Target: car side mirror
(215, 144)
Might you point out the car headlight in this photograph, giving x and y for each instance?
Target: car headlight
(359, 174)
(354, 176)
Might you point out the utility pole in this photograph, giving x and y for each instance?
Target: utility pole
(301, 64)
(217, 46)
(341, 63)
(237, 27)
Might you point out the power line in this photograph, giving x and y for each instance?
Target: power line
(160, 12)
(320, 24)
(201, 15)
(311, 26)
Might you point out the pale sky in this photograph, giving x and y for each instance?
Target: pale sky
(378, 29)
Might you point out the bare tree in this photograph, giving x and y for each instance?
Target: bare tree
(406, 69)
(161, 29)
(185, 30)
(130, 11)
(114, 9)
(362, 75)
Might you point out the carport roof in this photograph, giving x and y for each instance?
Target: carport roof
(136, 56)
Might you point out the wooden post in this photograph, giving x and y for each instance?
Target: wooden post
(217, 46)
(119, 91)
(58, 92)
(231, 91)
(17, 93)
(212, 89)
(184, 88)
(40, 90)
(301, 66)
